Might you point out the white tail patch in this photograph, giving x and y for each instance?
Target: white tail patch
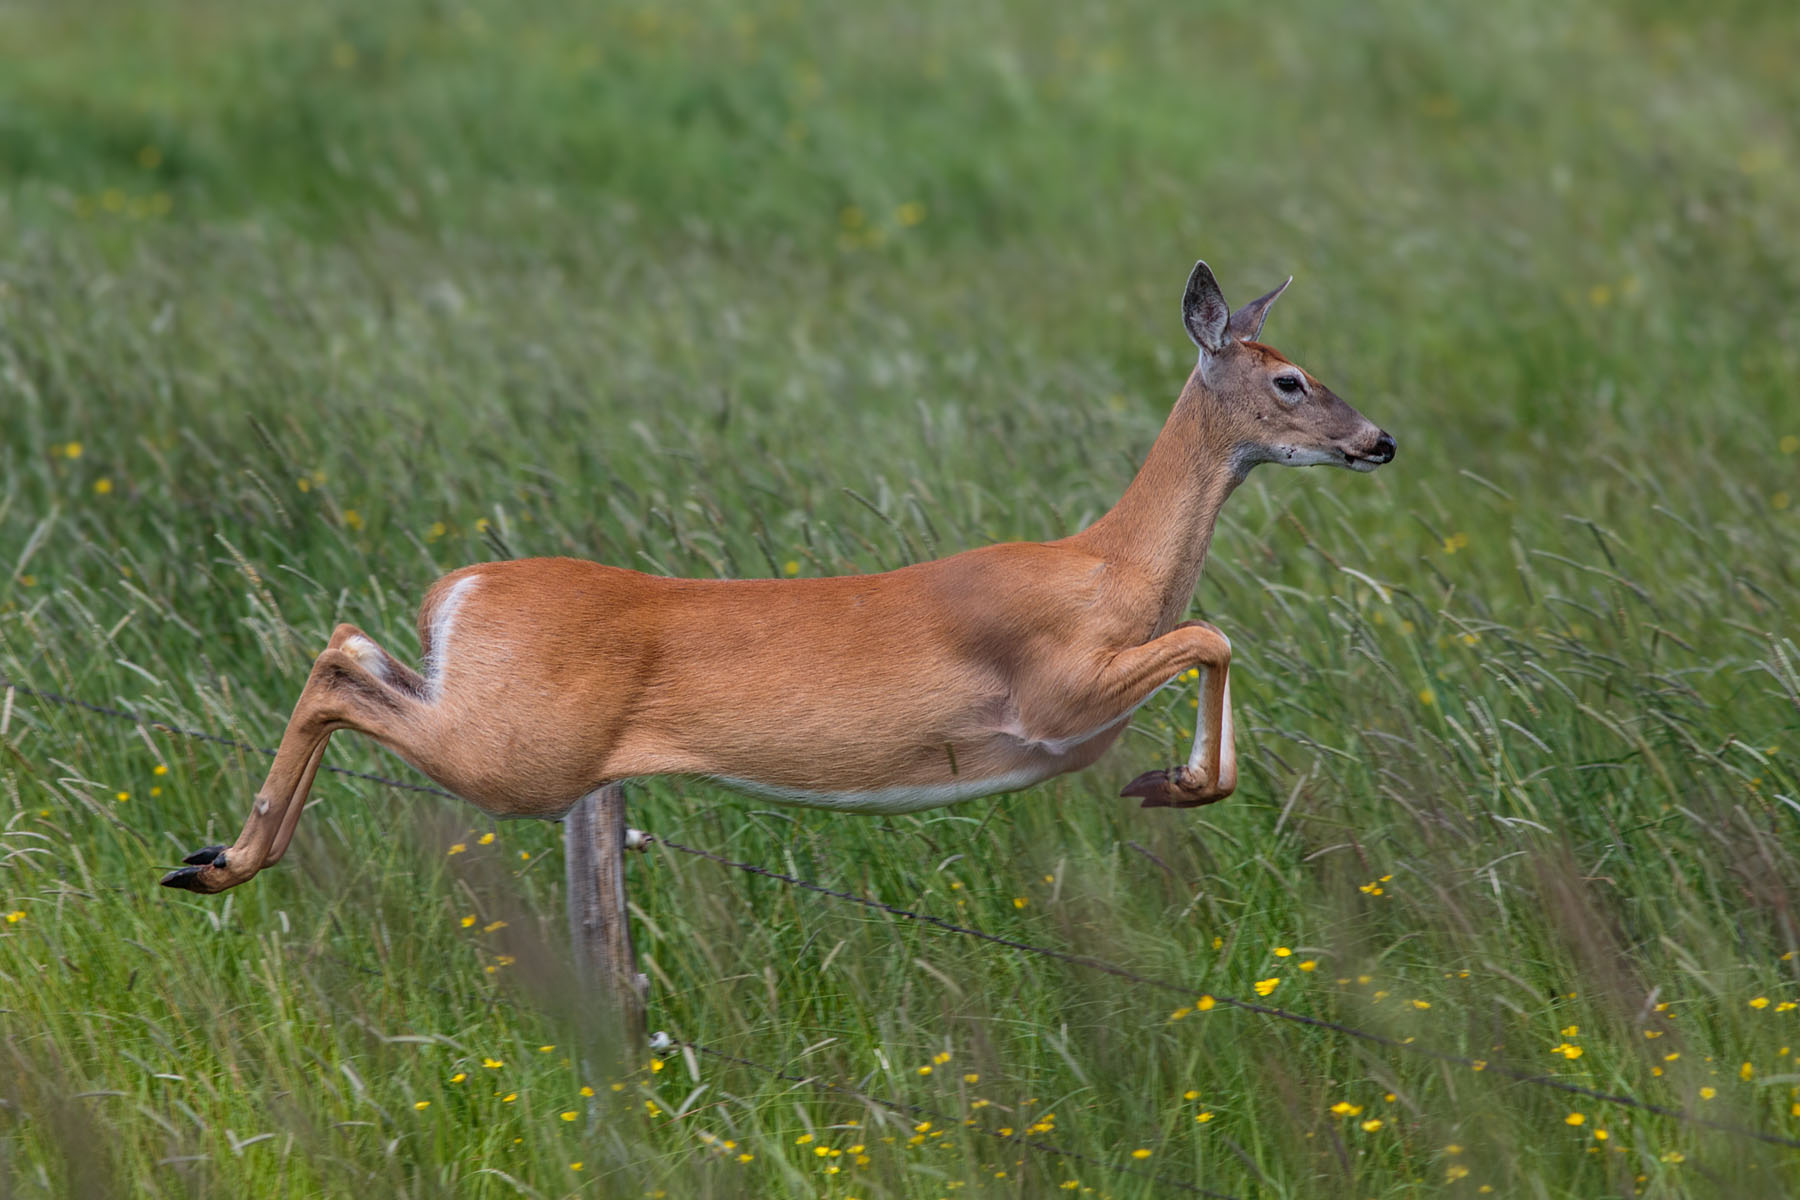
(369, 655)
(443, 621)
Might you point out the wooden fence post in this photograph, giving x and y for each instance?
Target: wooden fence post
(599, 927)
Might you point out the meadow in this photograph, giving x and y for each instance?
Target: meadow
(304, 305)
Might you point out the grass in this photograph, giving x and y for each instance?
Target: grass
(302, 306)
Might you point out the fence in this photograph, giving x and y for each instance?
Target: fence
(597, 918)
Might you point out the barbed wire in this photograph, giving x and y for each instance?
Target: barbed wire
(1267, 1010)
(1409, 1046)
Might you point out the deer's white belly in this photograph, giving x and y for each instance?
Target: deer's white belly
(1049, 757)
(903, 798)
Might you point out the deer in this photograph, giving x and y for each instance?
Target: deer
(990, 670)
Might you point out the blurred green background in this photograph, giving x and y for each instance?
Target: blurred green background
(302, 305)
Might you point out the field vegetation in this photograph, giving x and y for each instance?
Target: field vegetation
(302, 305)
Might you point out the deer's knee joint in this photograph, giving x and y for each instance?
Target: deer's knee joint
(1214, 648)
(346, 681)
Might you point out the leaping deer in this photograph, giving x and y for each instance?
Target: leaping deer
(984, 672)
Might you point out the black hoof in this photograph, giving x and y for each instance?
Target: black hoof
(205, 855)
(1152, 786)
(185, 878)
(1177, 787)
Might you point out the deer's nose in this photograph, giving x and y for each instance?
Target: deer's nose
(1384, 448)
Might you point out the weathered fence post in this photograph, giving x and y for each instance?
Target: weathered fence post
(599, 927)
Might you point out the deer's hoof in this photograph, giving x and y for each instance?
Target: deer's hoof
(187, 879)
(1177, 787)
(205, 872)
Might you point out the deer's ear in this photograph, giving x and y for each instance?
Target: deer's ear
(1247, 322)
(1204, 311)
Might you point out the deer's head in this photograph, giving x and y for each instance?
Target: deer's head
(1273, 410)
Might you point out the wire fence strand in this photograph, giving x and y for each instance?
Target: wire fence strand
(1267, 1010)
(1085, 961)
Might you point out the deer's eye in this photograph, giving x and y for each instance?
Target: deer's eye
(1290, 384)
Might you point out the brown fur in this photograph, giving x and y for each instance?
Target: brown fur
(561, 675)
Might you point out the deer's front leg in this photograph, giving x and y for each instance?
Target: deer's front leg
(1210, 773)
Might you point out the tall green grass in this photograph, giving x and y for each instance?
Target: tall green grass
(300, 307)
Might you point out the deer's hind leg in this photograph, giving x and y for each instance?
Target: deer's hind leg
(354, 684)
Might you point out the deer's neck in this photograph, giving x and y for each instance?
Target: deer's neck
(1163, 525)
